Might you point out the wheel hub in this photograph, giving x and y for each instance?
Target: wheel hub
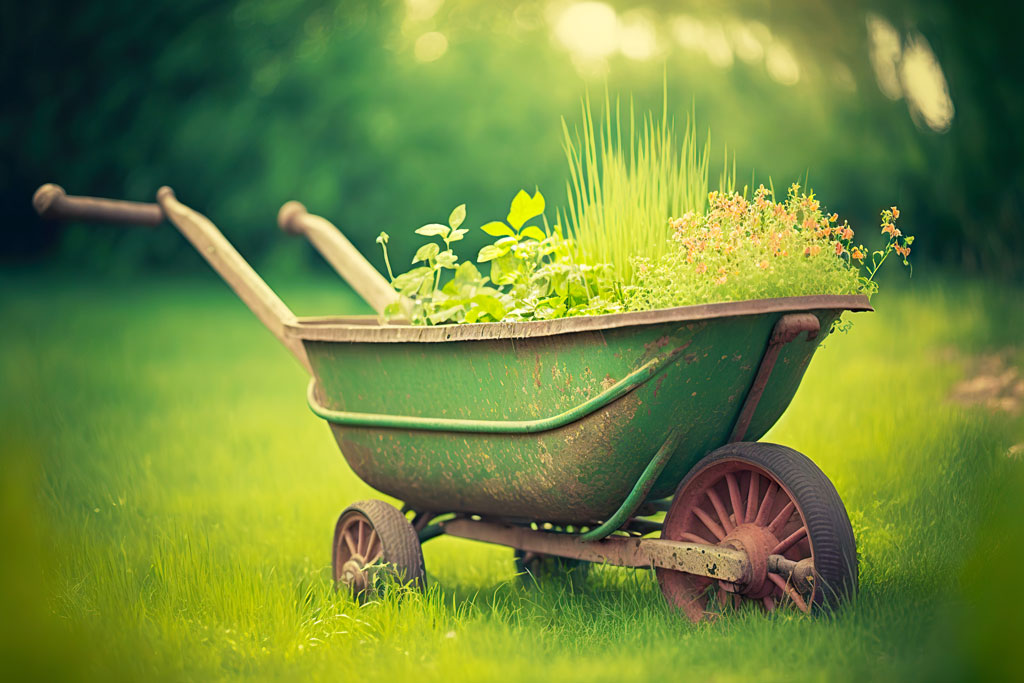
(353, 573)
(757, 542)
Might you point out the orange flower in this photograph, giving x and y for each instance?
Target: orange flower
(847, 233)
(839, 248)
(721, 280)
(702, 267)
(857, 254)
(763, 265)
(895, 212)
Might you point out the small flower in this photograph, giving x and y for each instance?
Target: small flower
(857, 254)
(702, 267)
(763, 265)
(847, 233)
(895, 212)
(839, 248)
(721, 280)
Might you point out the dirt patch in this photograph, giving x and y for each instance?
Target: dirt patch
(993, 381)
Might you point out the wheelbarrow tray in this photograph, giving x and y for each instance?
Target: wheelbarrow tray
(555, 420)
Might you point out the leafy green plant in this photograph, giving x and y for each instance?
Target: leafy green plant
(533, 273)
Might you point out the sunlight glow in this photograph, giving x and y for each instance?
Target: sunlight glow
(430, 46)
(421, 10)
(885, 55)
(637, 37)
(781, 64)
(589, 30)
(924, 85)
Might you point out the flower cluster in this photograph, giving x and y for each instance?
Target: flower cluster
(759, 248)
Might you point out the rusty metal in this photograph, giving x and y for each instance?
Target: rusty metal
(757, 516)
(723, 563)
(788, 328)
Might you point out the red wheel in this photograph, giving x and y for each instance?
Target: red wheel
(774, 504)
(373, 540)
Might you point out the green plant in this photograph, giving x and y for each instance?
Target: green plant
(533, 273)
(621, 191)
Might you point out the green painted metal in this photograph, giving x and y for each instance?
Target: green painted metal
(639, 493)
(441, 424)
(579, 472)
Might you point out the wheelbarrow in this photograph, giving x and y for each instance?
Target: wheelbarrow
(567, 440)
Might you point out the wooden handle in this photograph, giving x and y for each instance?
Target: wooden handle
(339, 252)
(51, 202)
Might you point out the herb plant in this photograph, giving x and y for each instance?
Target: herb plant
(534, 274)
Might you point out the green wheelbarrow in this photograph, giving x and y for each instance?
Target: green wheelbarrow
(567, 440)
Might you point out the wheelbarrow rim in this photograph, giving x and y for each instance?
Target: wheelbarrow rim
(368, 328)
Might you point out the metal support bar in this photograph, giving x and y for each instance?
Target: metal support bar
(786, 330)
(639, 493)
(441, 424)
(716, 562)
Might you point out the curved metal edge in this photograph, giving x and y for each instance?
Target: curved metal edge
(639, 493)
(439, 424)
(357, 329)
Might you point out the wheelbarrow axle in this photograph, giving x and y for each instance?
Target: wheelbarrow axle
(713, 561)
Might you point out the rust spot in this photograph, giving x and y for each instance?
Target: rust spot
(656, 344)
(536, 370)
(690, 357)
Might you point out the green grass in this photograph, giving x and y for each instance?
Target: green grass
(167, 501)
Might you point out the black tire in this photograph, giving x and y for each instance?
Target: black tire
(389, 553)
(829, 532)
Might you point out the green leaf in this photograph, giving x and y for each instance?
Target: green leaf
(408, 283)
(456, 235)
(497, 229)
(524, 207)
(427, 251)
(432, 229)
(533, 232)
(458, 215)
(473, 315)
(467, 274)
(490, 305)
(447, 259)
(382, 238)
(504, 269)
(491, 251)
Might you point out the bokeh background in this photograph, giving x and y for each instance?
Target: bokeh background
(165, 495)
(384, 115)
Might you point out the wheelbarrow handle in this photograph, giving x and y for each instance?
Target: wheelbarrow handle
(346, 260)
(51, 202)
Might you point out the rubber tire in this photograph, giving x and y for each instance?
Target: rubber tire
(828, 525)
(400, 544)
(547, 567)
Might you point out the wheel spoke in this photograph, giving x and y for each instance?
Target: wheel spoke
(766, 504)
(370, 545)
(734, 498)
(780, 520)
(362, 534)
(789, 541)
(789, 592)
(752, 496)
(709, 523)
(723, 516)
(352, 547)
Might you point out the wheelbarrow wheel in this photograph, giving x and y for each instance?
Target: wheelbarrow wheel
(777, 506)
(537, 567)
(374, 544)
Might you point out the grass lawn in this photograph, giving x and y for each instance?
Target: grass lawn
(167, 501)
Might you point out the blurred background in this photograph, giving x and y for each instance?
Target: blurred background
(385, 115)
